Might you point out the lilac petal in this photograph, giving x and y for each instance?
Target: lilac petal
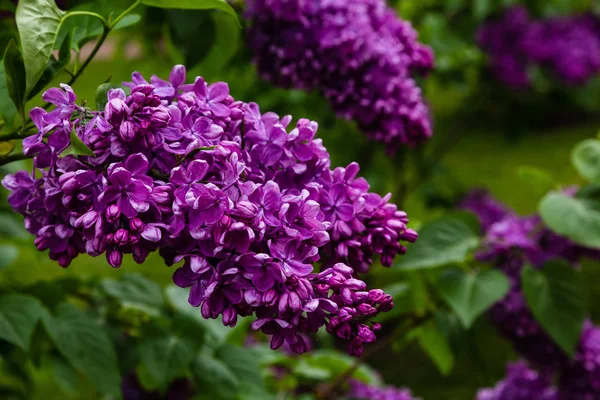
(151, 233)
(55, 96)
(120, 177)
(177, 75)
(200, 88)
(220, 110)
(263, 280)
(298, 268)
(126, 207)
(196, 170)
(111, 194)
(218, 92)
(198, 264)
(164, 91)
(178, 176)
(196, 296)
(345, 212)
(138, 191)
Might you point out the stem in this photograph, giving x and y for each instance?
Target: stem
(99, 43)
(88, 13)
(14, 135)
(329, 390)
(13, 158)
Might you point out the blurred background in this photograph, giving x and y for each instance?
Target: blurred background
(487, 133)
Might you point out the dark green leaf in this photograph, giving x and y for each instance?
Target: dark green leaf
(102, 95)
(54, 66)
(576, 218)
(136, 291)
(481, 8)
(555, 295)
(8, 254)
(78, 147)
(38, 22)
(336, 363)
(444, 241)
(214, 378)
(14, 71)
(193, 5)
(165, 357)
(8, 110)
(586, 158)
(435, 344)
(223, 48)
(86, 346)
(18, 316)
(177, 297)
(64, 376)
(470, 294)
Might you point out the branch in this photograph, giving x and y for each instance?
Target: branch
(13, 158)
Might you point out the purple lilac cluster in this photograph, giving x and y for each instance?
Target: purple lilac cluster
(521, 383)
(357, 53)
(569, 46)
(362, 391)
(510, 242)
(245, 200)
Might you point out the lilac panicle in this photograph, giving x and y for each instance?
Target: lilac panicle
(568, 46)
(357, 53)
(246, 201)
(362, 391)
(521, 383)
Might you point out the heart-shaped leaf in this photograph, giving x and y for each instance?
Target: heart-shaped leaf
(18, 316)
(470, 294)
(555, 295)
(193, 5)
(586, 158)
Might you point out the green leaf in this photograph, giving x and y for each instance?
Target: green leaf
(470, 294)
(214, 378)
(64, 376)
(538, 180)
(481, 9)
(435, 344)
(14, 71)
(102, 94)
(444, 241)
(586, 158)
(136, 291)
(78, 147)
(337, 363)
(177, 297)
(555, 295)
(193, 5)
(54, 66)
(8, 254)
(86, 346)
(18, 317)
(8, 110)
(224, 46)
(576, 218)
(165, 357)
(38, 22)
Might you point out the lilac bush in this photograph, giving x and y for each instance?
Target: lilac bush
(246, 200)
(357, 53)
(569, 46)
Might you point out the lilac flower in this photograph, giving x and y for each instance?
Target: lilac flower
(357, 53)
(203, 179)
(580, 378)
(521, 383)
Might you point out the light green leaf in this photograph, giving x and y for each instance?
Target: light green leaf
(78, 147)
(166, 357)
(86, 346)
(64, 376)
(538, 180)
(470, 294)
(8, 254)
(555, 295)
(435, 344)
(136, 291)
(8, 110)
(14, 71)
(576, 218)
(18, 317)
(586, 158)
(337, 363)
(102, 94)
(54, 67)
(444, 241)
(38, 22)
(214, 378)
(481, 9)
(193, 5)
